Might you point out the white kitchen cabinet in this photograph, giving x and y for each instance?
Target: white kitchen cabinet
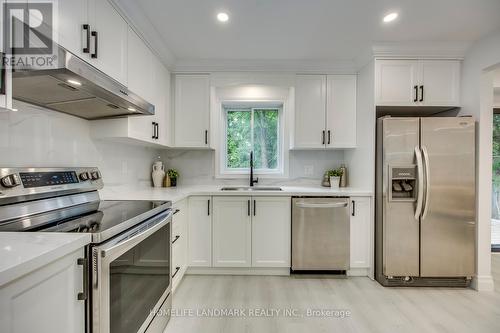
(271, 231)
(191, 111)
(232, 231)
(310, 111)
(361, 240)
(141, 128)
(440, 80)
(325, 112)
(140, 67)
(179, 242)
(200, 231)
(341, 111)
(69, 26)
(417, 83)
(108, 44)
(29, 303)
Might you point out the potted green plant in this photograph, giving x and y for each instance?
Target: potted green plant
(334, 176)
(173, 175)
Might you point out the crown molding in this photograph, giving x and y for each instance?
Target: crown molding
(135, 16)
(277, 66)
(412, 50)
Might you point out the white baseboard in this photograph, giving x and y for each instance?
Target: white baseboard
(483, 283)
(359, 272)
(237, 271)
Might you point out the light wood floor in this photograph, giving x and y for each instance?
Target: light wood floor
(372, 307)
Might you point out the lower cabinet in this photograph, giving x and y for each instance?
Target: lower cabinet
(361, 231)
(200, 231)
(179, 242)
(29, 303)
(271, 231)
(232, 232)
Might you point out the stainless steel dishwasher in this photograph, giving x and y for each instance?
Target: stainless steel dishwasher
(320, 234)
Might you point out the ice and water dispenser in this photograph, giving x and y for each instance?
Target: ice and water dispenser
(403, 183)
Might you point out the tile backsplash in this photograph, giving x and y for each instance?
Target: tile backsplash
(37, 137)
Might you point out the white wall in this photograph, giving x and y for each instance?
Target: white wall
(477, 100)
(37, 137)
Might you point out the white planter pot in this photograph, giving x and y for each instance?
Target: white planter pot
(334, 182)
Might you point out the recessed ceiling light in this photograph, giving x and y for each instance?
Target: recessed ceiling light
(390, 17)
(13, 109)
(222, 17)
(74, 82)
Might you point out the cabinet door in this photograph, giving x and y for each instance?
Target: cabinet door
(161, 79)
(111, 40)
(395, 82)
(192, 116)
(441, 82)
(310, 108)
(179, 242)
(341, 111)
(271, 232)
(361, 242)
(200, 231)
(232, 232)
(73, 14)
(29, 303)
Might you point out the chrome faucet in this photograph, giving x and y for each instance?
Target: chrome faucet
(252, 181)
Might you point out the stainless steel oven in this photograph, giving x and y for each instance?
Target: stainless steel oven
(131, 279)
(127, 269)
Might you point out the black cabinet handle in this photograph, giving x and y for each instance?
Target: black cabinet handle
(176, 211)
(176, 238)
(421, 93)
(176, 271)
(206, 137)
(86, 49)
(154, 130)
(208, 206)
(329, 137)
(248, 207)
(416, 94)
(254, 208)
(157, 131)
(85, 293)
(96, 43)
(323, 141)
(353, 208)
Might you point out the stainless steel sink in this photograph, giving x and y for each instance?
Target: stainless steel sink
(248, 188)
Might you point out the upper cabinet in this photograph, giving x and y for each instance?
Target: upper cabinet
(108, 45)
(191, 110)
(325, 112)
(417, 83)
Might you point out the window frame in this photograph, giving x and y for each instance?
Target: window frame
(251, 107)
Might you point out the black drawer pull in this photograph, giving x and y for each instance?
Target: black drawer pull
(176, 238)
(176, 211)
(96, 43)
(353, 208)
(86, 49)
(176, 271)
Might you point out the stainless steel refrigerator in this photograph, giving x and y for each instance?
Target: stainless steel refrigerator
(425, 201)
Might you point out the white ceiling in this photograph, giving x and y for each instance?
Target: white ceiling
(305, 30)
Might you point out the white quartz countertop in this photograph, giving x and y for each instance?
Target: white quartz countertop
(176, 194)
(24, 252)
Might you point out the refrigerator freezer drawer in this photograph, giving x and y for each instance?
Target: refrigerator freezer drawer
(320, 234)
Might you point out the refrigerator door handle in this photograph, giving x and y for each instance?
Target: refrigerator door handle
(427, 182)
(420, 193)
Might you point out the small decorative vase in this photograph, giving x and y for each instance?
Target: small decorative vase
(173, 182)
(158, 173)
(166, 181)
(334, 182)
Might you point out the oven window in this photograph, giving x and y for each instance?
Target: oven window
(138, 279)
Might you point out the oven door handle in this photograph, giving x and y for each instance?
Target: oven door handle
(136, 235)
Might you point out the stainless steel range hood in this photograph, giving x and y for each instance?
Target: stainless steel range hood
(77, 88)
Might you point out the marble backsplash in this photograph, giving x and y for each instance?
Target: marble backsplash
(37, 137)
(197, 167)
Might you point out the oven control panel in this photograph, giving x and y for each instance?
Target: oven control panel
(16, 182)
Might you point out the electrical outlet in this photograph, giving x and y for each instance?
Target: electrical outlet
(308, 170)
